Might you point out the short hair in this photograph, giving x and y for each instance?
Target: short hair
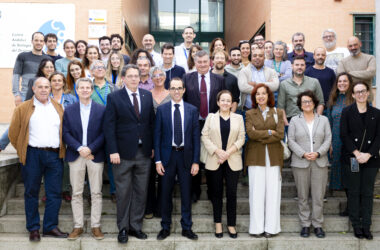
(362, 83)
(50, 35)
(285, 55)
(76, 46)
(68, 41)
(299, 58)
(38, 32)
(330, 31)
(144, 58)
(39, 79)
(270, 102)
(224, 91)
(177, 79)
(84, 79)
(57, 73)
(257, 36)
(188, 27)
(128, 67)
(200, 53)
(42, 65)
(234, 48)
(104, 38)
(92, 66)
(310, 94)
(167, 46)
(117, 36)
(136, 53)
(220, 52)
(156, 68)
(298, 34)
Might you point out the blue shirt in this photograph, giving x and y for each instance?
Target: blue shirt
(85, 116)
(257, 76)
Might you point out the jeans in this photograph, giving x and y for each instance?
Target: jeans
(48, 164)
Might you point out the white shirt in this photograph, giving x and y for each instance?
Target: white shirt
(85, 116)
(208, 86)
(131, 96)
(156, 58)
(182, 111)
(181, 54)
(333, 57)
(310, 126)
(44, 125)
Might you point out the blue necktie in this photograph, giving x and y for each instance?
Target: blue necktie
(177, 126)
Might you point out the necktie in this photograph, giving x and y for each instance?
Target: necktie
(204, 105)
(136, 105)
(177, 126)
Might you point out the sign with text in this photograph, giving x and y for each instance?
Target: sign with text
(18, 21)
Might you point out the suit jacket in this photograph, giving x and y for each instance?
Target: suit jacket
(212, 140)
(73, 132)
(245, 76)
(299, 140)
(352, 131)
(192, 94)
(259, 138)
(123, 129)
(163, 134)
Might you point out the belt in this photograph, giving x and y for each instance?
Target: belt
(178, 148)
(55, 150)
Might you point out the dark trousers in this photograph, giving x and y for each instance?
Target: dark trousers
(131, 180)
(215, 187)
(153, 201)
(196, 180)
(42, 163)
(175, 167)
(360, 187)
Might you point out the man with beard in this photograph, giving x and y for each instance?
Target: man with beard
(235, 66)
(253, 74)
(298, 41)
(182, 51)
(325, 75)
(230, 81)
(51, 44)
(105, 48)
(361, 66)
(148, 43)
(116, 44)
(333, 54)
(291, 87)
(259, 40)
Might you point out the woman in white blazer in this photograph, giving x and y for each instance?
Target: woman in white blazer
(223, 136)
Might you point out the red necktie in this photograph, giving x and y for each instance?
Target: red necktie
(204, 105)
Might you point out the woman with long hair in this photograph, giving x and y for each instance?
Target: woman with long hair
(80, 47)
(61, 64)
(92, 54)
(45, 69)
(190, 60)
(114, 66)
(245, 50)
(75, 71)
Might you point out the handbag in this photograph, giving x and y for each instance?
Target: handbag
(354, 164)
(287, 152)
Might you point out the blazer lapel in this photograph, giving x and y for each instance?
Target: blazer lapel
(315, 125)
(216, 122)
(304, 125)
(78, 116)
(196, 86)
(142, 103)
(212, 88)
(233, 125)
(127, 101)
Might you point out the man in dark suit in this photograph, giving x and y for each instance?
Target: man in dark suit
(177, 149)
(202, 88)
(83, 134)
(128, 130)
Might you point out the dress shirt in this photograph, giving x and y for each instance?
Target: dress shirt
(156, 58)
(182, 111)
(44, 125)
(85, 116)
(257, 76)
(131, 97)
(208, 86)
(147, 85)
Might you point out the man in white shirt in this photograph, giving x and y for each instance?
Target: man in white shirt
(36, 133)
(148, 43)
(182, 51)
(333, 53)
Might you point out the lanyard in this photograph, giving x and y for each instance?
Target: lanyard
(275, 67)
(105, 94)
(75, 90)
(62, 97)
(185, 52)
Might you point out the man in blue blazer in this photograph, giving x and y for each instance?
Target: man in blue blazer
(128, 129)
(177, 150)
(83, 134)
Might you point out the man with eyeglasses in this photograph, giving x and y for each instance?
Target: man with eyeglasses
(102, 88)
(298, 41)
(177, 152)
(182, 50)
(291, 87)
(128, 129)
(259, 40)
(333, 53)
(361, 66)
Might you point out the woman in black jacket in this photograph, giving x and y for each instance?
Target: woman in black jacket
(360, 134)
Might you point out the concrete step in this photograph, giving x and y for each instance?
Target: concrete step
(201, 224)
(207, 241)
(15, 206)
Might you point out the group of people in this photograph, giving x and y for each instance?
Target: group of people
(156, 119)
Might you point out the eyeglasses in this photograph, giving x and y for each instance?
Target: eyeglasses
(258, 40)
(158, 75)
(328, 36)
(176, 89)
(307, 102)
(361, 92)
(99, 67)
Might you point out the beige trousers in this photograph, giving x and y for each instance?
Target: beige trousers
(95, 176)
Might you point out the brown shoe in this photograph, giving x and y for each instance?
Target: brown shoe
(75, 233)
(34, 235)
(97, 233)
(56, 233)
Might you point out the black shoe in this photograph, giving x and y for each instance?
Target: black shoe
(233, 236)
(138, 234)
(163, 234)
(189, 234)
(367, 234)
(305, 232)
(358, 232)
(194, 198)
(319, 232)
(123, 236)
(219, 235)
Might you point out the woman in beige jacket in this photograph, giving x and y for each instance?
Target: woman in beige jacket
(222, 138)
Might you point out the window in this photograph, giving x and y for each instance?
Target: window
(129, 43)
(364, 28)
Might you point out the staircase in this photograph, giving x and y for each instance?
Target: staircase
(13, 234)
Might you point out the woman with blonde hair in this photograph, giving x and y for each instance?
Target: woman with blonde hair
(114, 66)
